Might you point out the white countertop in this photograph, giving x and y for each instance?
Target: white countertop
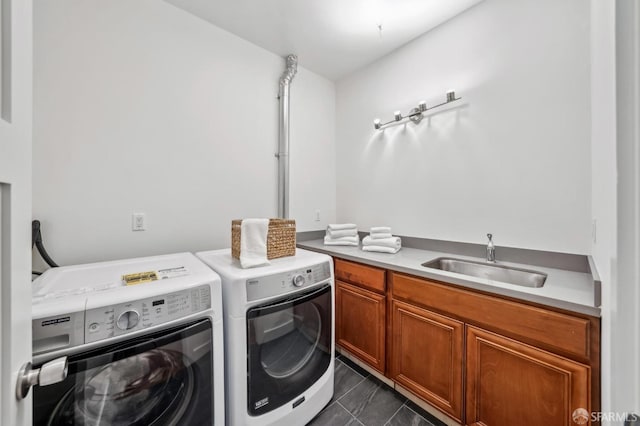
(569, 290)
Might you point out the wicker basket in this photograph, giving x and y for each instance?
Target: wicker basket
(281, 238)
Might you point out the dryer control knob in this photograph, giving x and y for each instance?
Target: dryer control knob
(298, 280)
(127, 320)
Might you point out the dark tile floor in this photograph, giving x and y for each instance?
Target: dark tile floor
(361, 399)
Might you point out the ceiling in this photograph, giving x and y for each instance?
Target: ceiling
(331, 37)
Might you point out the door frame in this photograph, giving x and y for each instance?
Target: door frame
(625, 348)
(16, 82)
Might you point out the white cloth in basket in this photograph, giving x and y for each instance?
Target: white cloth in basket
(253, 243)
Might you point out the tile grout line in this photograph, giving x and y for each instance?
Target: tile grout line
(352, 416)
(381, 386)
(396, 412)
(354, 370)
(416, 413)
(349, 411)
(378, 387)
(352, 388)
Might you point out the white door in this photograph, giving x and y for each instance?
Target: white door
(15, 204)
(625, 349)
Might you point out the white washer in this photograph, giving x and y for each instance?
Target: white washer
(149, 353)
(279, 337)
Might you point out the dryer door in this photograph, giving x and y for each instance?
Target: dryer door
(160, 379)
(289, 348)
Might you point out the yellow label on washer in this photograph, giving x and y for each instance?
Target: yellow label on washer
(140, 278)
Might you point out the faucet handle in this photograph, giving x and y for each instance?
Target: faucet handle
(489, 236)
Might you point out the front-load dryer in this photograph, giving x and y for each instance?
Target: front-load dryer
(143, 340)
(279, 337)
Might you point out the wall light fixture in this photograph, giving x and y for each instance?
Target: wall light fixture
(415, 114)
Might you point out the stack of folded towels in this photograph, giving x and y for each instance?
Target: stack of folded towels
(381, 240)
(341, 234)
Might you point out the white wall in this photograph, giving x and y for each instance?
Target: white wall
(312, 151)
(141, 107)
(512, 157)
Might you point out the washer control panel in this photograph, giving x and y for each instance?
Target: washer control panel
(116, 320)
(273, 285)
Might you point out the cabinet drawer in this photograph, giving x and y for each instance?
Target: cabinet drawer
(362, 275)
(548, 329)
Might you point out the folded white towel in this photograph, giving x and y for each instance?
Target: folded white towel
(341, 241)
(381, 249)
(377, 229)
(393, 242)
(342, 233)
(349, 238)
(253, 242)
(339, 226)
(380, 235)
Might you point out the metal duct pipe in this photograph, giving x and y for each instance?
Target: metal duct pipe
(283, 136)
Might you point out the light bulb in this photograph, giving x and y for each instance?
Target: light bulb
(451, 95)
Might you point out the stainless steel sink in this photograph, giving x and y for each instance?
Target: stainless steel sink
(489, 271)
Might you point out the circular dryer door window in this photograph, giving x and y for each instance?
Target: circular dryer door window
(289, 340)
(161, 379)
(154, 387)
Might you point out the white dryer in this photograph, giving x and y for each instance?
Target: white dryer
(138, 354)
(279, 337)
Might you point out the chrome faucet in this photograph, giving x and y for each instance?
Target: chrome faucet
(491, 250)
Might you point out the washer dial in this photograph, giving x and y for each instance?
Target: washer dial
(127, 320)
(298, 280)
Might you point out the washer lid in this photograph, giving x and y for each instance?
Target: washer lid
(69, 288)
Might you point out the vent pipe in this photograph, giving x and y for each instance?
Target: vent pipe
(283, 136)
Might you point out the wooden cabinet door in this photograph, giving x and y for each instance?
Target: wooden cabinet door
(426, 356)
(360, 323)
(511, 383)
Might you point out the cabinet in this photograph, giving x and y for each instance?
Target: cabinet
(481, 359)
(510, 383)
(361, 312)
(523, 364)
(427, 355)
